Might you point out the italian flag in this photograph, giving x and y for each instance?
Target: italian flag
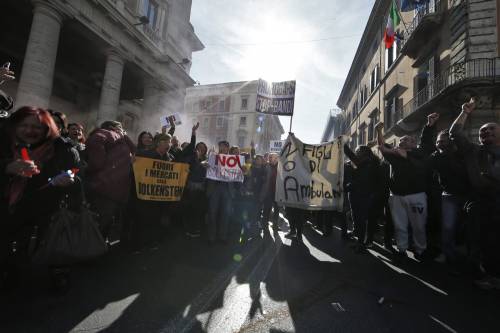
(392, 23)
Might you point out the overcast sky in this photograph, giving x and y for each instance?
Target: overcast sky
(311, 41)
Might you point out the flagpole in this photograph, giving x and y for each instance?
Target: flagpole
(401, 15)
(291, 120)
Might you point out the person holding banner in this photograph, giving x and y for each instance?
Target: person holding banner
(152, 212)
(223, 171)
(194, 199)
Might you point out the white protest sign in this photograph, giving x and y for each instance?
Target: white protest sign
(225, 168)
(310, 176)
(168, 120)
(275, 146)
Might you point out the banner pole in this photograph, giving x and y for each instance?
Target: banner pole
(291, 121)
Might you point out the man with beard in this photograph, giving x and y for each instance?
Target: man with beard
(482, 162)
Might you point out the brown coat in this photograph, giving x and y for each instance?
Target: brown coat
(109, 164)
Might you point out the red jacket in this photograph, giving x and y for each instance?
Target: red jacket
(109, 164)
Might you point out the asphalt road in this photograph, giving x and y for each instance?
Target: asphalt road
(268, 284)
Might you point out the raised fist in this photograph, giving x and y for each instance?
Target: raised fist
(470, 106)
(432, 119)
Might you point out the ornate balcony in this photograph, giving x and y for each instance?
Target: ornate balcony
(425, 23)
(475, 73)
(152, 34)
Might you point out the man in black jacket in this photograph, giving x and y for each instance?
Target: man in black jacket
(448, 164)
(482, 163)
(408, 185)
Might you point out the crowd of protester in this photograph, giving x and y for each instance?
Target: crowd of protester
(394, 190)
(401, 189)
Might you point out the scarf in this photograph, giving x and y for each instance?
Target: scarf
(40, 155)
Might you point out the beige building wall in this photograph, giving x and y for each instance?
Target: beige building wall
(447, 54)
(236, 122)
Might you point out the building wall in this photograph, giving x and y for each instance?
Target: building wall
(203, 104)
(115, 63)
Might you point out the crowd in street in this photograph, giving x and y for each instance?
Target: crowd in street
(439, 200)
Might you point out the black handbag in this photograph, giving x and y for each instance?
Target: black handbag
(70, 236)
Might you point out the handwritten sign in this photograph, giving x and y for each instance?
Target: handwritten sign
(275, 146)
(172, 119)
(157, 180)
(225, 168)
(310, 176)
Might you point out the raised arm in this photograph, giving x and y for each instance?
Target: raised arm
(427, 139)
(380, 139)
(456, 130)
(349, 153)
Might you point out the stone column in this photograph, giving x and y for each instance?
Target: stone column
(154, 104)
(110, 90)
(35, 84)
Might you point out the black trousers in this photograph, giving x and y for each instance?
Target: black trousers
(194, 209)
(296, 217)
(270, 204)
(483, 233)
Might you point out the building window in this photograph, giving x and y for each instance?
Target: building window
(241, 141)
(221, 106)
(204, 105)
(354, 141)
(391, 54)
(244, 103)
(220, 122)
(362, 135)
(374, 78)
(206, 122)
(392, 114)
(151, 11)
(243, 121)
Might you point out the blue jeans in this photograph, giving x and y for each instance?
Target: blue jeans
(452, 206)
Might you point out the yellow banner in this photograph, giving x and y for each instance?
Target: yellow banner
(157, 180)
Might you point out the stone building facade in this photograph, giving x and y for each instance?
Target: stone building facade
(100, 59)
(226, 111)
(447, 52)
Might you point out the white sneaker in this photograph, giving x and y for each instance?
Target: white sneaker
(440, 258)
(488, 283)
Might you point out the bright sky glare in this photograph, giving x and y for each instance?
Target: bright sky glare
(311, 41)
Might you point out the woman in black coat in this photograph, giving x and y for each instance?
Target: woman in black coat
(34, 178)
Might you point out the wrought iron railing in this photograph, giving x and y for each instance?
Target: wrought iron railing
(430, 7)
(473, 69)
(153, 34)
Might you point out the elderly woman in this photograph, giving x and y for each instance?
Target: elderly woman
(33, 179)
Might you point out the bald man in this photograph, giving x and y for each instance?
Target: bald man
(482, 162)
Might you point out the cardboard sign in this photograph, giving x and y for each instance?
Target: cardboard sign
(275, 146)
(172, 119)
(225, 168)
(276, 98)
(157, 180)
(310, 176)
